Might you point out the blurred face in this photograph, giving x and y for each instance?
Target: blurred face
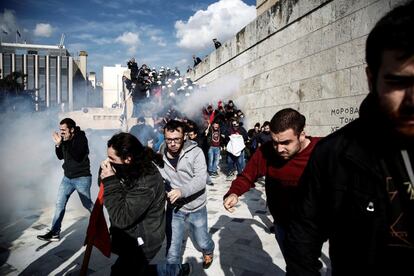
(216, 126)
(287, 143)
(266, 129)
(192, 135)
(394, 86)
(66, 133)
(174, 140)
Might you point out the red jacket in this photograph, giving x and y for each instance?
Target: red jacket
(282, 177)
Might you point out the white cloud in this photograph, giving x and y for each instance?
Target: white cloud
(43, 30)
(221, 20)
(131, 40)
(159, 40)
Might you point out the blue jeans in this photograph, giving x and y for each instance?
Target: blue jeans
(176, 222)
(83, 186)
(235, 160)
(213, 158)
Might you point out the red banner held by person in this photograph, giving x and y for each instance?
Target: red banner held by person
(97, 233)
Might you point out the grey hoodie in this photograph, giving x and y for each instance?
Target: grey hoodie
(189, 177)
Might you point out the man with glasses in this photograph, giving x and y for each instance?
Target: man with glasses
(282, 161)
(185, 174)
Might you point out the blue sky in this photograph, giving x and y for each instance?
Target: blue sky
(155, 32)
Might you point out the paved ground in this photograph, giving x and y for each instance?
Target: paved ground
(244, 244)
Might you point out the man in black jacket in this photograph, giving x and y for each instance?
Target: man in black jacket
(196, 60)
(357, 189)
(217, 43)
(71, 145)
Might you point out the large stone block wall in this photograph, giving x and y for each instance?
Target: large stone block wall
(305, 54)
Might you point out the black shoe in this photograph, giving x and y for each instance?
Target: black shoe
(185, 269)
(50, 236)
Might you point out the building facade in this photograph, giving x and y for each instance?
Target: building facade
(113, 85)
(53, 75)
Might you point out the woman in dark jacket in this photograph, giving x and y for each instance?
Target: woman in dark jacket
(134, 196)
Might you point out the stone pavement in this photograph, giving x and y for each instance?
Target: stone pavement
(244, 244)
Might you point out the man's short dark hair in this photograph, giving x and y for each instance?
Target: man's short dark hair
(394, 31)
(68, 122)
(287, 118)
(174, 125)
(266, 123)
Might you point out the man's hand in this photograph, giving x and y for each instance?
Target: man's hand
(173, 195)
(56, 138)
(106, 169)
(230, 202)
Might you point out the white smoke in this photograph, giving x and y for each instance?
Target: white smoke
(219, 90)
(30, 172)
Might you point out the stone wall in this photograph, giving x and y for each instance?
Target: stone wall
(305, 54)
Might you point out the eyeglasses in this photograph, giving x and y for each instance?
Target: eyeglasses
(175, 140)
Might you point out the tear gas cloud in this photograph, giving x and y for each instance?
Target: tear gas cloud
(221, 89)
(30, 173)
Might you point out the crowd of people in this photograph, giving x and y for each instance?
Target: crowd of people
(353, 188)
(151, 88)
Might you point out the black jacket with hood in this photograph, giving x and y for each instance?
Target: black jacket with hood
(75, 153)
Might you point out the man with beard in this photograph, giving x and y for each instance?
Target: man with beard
(71, 145)
(282, 162)
(357, 190)
(185, 173)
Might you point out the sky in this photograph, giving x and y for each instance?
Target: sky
(156, 32)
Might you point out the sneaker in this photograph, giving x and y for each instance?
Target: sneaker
(207, 260)
(49, 236)
(185, 269)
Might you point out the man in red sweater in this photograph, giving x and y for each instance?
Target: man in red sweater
(282, 161)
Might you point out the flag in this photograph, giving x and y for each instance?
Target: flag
(18, 33)
(97, 233)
